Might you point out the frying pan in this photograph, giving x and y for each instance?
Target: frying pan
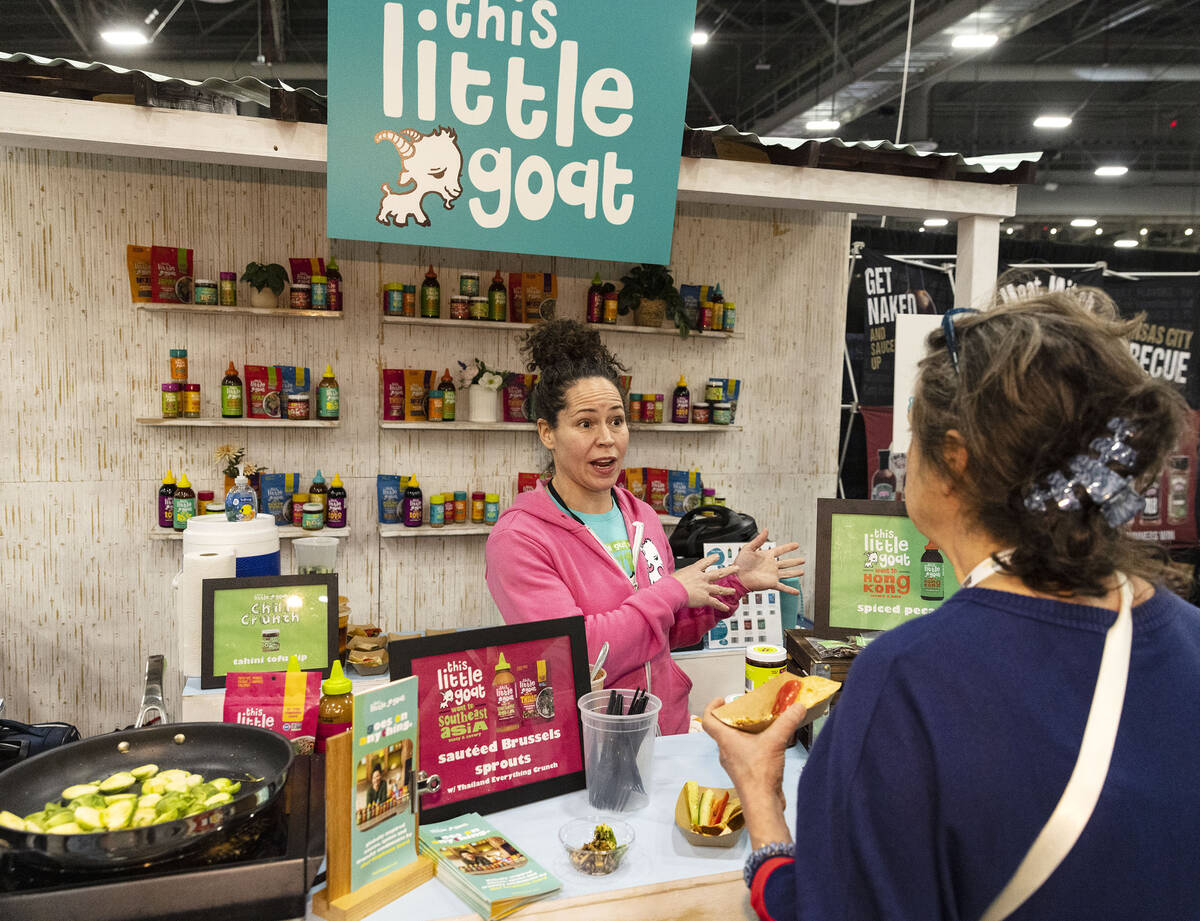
(259, 758)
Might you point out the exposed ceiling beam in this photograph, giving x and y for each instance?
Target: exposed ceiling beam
(72, 28)
(1070, 73)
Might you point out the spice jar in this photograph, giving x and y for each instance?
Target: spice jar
(647, 407)
(468, 284)
(408, 298)
(227, 297)
(660, 406)
(205, 292)
(635, 407)
(610, 308)
(714, 390)
(298, 500)
(459, 309)
(179, 366)
(477, 507)
(170, 400)
(437, 510)
(477, 308)
(299, 406)
(722, 414)
(730, 316)
(491, 508)
(700, 413)
(191, 401)
(320, 292)
(393, 299)
(312, 516)
(434, 406)
(301, 297)
(460, 508)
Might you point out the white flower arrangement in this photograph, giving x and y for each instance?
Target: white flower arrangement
(483, 376)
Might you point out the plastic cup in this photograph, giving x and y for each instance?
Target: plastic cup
(315, 555)
(618, 751)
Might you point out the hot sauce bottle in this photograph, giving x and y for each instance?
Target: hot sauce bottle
(595, 300)
(504, 697)
(231, 394)
(449, 397)
(431, 295)
(933, 584)
(497, 298)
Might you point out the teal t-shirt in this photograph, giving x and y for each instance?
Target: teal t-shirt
(609, 528)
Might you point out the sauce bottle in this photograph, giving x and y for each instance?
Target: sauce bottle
(595, 300)
(545, 693)
(717, 317)
(431, 295)
(335, 507)
(166, 501)
(933, 586)
(497, 298)
(449, 397)
(504, 697)
(334, 279)
(335, 712)
(414, 510)
(319, 492)
(328, 396)
(231, 394)
(183, 504)
(883, 483)
(681, 402)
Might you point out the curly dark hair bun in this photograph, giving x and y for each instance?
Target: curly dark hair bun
(563, 352)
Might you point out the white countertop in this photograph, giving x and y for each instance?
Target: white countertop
(659, 853)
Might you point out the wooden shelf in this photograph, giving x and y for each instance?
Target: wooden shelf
(450, 530)
(241, 423)
(242, 311)
(285, 533)
(516, 327)
(529, 426)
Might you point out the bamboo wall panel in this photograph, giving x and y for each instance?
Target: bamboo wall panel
(88, 592)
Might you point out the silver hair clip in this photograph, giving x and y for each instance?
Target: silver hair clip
(1114, 494)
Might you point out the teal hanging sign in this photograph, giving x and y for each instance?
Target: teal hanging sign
(527, 126)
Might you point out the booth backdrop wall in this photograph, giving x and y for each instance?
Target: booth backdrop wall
(87, 593)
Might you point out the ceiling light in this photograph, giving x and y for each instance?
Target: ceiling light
(762, 65)
(1099, 230)
(920, 230)
(975, 40)
(1111, 170)
(1125, 244)
(1143, 232)
(1187, 232)
(125, 38)
(700, 37)
(936, 221)
(1009, 231)
(1084, 222)
(1053, 231)
(823, 124)
(1052, 121)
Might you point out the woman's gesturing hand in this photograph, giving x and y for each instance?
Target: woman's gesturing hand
(762, 569)
(700, 581)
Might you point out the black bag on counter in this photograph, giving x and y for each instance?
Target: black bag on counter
(19, 741)
(695, 529)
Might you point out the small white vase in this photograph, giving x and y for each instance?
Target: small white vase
(483, 405)
(264, 298)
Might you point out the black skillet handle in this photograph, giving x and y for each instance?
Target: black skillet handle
(152, 695)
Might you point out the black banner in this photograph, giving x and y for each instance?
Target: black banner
(1025, 281)
(1163, 344)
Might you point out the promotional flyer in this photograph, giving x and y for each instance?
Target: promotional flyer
(498, 717)
(255, 624)
(383, 834)
(508, 127)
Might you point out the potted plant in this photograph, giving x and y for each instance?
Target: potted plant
(483, 384)
(260, 276)
(228, 457)
(650, 292)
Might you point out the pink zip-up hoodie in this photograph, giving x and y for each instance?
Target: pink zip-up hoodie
(542, 563)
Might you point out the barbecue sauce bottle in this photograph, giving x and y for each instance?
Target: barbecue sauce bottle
(449, 397)
(166, 501)
(431, 295)
(231, 394)
(335, 712)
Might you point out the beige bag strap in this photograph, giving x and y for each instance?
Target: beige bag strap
(1082, 792)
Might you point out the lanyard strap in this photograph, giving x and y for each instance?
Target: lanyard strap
(566, 508)
(1082, 792)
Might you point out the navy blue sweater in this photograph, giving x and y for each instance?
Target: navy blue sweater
(950, 746)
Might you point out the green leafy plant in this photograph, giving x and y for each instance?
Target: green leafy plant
(271, 275)
(482, 376)
(653, 283)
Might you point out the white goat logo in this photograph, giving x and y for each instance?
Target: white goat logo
(430, 163)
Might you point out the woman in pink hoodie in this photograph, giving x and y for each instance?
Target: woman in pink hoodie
(579, 545)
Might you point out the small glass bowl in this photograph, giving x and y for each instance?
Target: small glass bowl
(578, 832)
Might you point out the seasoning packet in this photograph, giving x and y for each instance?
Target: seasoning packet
(685, 491)
(277, 492)
(516, 390)
(304, 269)
(693, 296)
(170, 275)
(526, 482)
(393, 395)
(389, 489)
(733, 387)
(417, 385)
(137, 258)
(657, 488)
(262, 391)
(532, 296)
(293, 380)
(635, 482)
(286, 702)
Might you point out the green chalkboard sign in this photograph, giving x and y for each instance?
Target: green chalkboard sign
(255, 624)
(874, 569)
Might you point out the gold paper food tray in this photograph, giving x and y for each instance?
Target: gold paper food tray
(683, 820)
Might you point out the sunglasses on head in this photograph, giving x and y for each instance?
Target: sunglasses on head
(951, 337)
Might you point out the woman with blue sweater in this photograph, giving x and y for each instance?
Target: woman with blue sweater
(1030, 749)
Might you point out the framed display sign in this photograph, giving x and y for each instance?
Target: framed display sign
(254, 625)
(498, 720)
(874, 569)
